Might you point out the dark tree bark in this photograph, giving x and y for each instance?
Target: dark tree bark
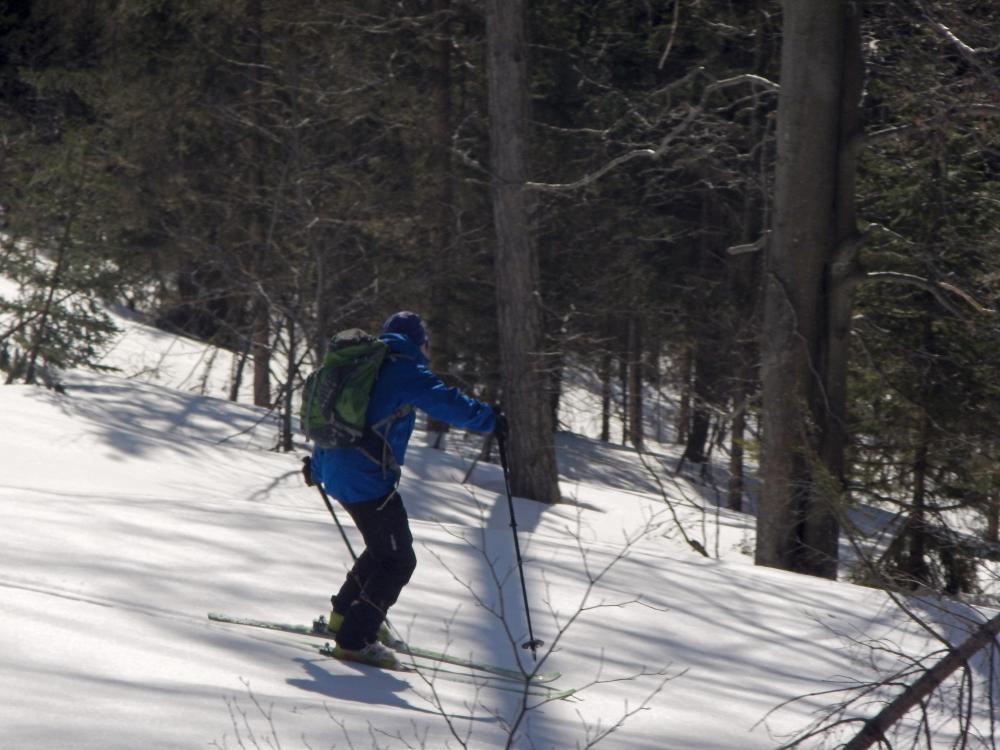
(704, 389)
(746, 281)
(635, 367)
(915, 532)
(287, 424)
(519, 310)
(993, 519)
(809, 283)
(261, 315)
(735, 485)
(605, 374)
(443, 196)
(621, 332)
(654, 376)
(685, 369)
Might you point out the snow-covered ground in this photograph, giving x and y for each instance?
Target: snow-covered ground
(133, 505)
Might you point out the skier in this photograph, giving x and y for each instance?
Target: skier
(364, 480)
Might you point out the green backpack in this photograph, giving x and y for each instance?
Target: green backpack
(335, 397)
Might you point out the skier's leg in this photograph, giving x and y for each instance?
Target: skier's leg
(386, 530)
(358, 574)
(355, 581)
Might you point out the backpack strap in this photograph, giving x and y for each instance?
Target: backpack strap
(386, 459)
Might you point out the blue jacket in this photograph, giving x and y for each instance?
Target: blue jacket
(352, 475)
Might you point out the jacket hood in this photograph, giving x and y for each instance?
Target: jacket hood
(404, 345)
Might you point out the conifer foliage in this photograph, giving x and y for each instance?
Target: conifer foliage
(264, 173)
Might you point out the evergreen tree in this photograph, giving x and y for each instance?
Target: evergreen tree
(56, 180)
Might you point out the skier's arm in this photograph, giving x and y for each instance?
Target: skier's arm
(427, 392)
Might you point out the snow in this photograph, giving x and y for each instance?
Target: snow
(139, 501)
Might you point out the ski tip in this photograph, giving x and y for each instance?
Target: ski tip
(567, 694)
(542, 677)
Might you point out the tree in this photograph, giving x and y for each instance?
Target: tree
(524, 375)
(808, 288)
(814, 267)
(54, 181)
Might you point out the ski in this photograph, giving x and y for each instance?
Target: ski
(318, 630)
(432, 673)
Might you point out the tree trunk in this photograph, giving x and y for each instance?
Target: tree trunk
(519, 309)
(654, 374)
(685, 368)
(261, 353)
(746, 279)
(605, 374)
(915, 564)
(287, 428)
(635, 382)
(623, 385)
(239, 365)
(555, 387)
(705, 367)
(993, 517)
(704, 394)
(916, 532)
(809, 280)
(734, 490)
(829, 405)
(261, 312)
(442, 193)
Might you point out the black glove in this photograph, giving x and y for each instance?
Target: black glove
(307, 473)
(502, 427)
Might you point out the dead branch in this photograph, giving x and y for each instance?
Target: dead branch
(923, 125)
(667, 140)
(936, 288)
(875, 728)
(752, 247)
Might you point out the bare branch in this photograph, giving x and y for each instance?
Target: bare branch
(923, 125)
(967, 51)
(673, 34)
(875, 728)
(668, 139)
(948, 34)
(759, 244)
(934, 287)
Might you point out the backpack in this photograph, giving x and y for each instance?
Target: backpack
(335, 397)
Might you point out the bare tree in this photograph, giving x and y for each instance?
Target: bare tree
(519, 300)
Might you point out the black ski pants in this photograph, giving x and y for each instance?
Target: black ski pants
(380, 572)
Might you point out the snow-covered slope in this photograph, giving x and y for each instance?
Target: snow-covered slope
(132, 506)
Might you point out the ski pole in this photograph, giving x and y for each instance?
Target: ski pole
(329, 507)
(532, 642)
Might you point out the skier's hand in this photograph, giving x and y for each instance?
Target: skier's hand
(502, 427)
(307, 473)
